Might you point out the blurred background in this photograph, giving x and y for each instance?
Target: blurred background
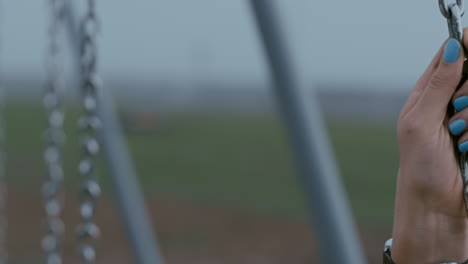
(194, 95)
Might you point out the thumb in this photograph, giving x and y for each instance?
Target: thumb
(437, 94)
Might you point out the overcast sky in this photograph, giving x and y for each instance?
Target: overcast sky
(339, 40)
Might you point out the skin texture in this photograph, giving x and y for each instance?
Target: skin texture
(431, 224)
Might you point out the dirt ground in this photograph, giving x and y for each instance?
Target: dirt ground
(189, 232)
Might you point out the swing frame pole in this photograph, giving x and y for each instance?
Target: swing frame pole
(126, 188)
(336, 232)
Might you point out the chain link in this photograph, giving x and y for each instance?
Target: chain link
(89, 123)
(444, 6)
(54, 138)
(453, 12)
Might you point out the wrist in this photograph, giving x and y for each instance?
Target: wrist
(424, 235)
(441, 240)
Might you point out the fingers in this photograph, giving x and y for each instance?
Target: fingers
(458, 123)
(442, 85)
(463, 143)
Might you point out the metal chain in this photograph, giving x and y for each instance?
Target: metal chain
(88, 231)
(54, 138)
(454, 12)
(444, 6)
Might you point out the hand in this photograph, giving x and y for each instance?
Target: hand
(431, 224)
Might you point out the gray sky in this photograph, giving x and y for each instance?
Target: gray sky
(373, 41)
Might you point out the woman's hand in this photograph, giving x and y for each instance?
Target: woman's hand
(431, 224)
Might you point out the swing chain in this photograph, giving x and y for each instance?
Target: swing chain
(88, 231)
(444, 6)
(453, 12)
(54, 138)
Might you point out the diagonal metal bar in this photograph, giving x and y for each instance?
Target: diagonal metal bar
(127, 191)
(337, 235)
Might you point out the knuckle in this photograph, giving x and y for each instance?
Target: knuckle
(461, 115)
(409, 128)
(463, 138)
(463, 91)
(440, 80)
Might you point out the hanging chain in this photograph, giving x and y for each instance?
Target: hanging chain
(54, 137)
(88, 232)
(454, 12)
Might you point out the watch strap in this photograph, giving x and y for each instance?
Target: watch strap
(387, 255)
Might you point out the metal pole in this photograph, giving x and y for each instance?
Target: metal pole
(331, 215)
(130, 199)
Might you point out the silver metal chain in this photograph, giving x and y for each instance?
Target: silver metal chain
(454, 11)
(89, 123)
(445, 5)
(54, 138)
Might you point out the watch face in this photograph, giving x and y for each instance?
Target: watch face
(388, 245)
(387, 258)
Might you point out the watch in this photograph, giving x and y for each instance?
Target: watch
(387, 255)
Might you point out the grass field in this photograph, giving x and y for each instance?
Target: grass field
(239, 161)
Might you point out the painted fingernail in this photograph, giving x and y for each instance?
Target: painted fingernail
(463, 147)
(451, 51)
(460, 103)
(457, 126)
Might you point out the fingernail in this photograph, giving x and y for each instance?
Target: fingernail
(457, 126)
(460, 103)
(451, 51)
(463, 147)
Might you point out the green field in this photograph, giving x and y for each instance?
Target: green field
(240, 161)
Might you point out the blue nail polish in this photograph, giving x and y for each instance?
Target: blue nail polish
(451, 51)
(457, 126)
(460, 103)
(463, 147)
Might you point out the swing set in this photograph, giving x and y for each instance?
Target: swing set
(100, 133)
